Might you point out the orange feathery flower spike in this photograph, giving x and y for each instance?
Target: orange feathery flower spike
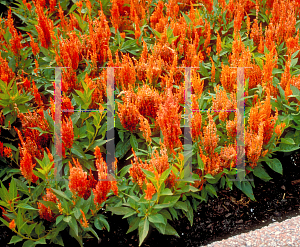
(168, 120)
(77, 179)
(150, 191)
(84, 223)
(12, 224)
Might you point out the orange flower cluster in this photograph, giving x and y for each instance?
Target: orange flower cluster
(16, 39)
(196, 123)
(79, 183)
(168, 120)
(45, 212)
(160, 162)
(150, 191)
(5, 152)
(32, 120)
(12, 224)
(84, 223)
(6, 73)
(44, 27)
(67, 134)
(105, 183)
(26, 167)
(223, 104)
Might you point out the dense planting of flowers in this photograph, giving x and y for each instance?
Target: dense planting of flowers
(152, 51)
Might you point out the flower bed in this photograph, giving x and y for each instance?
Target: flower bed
(205, 95)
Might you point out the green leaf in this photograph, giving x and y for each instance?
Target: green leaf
(119, 210)
(247, 189)
(181, 205)
(166, 192)
(132, 212)
(200, 162)
(169, 230)
(143, 230)
(29, 243)
(124, 170)
(15, 239)
(165, 175)
(122, 148)
(90, 130)
(12, 189)
(61, 194)
(4, 193)
(73, 224)
(211, 189)
(275, 165)
(104, 221)
(25, 206)
(133, 142)
(260, 172)
(289, 141)
(77, 149)
(132, 225)
(157, 218)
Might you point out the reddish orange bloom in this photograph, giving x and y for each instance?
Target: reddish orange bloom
(4, 212)
(7, 152)
(150, 191)
(84, 223)
(44, 27)
(67, 133)
(34, 46)
(168, 120)
(105, 182)
(219, 44)
(26, 167)
(6, 73)
(196, 124)
(279, 129)
(45, 212)
(12, 224)
(145, 128)
(16, 39)
(37, 96)
(77, 179)
(129, 115)
(211, 137)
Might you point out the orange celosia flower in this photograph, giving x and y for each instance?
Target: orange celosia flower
(16, 39)
(150, 191)
(129, 115)
(7, 152)
(34, 46)
(211, 138)
(196, 123)
(37, 95)
(77, 179)
(145, 128)
(67, 133)
(4, 212)
(219, 44)
(12, 224)
(6, 73)
(44, 27)
(26, 167)
(105, 182)
(168, 120)
(84, 223)
(45, 212)
(279, 129)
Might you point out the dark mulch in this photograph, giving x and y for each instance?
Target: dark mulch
(230, 214)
